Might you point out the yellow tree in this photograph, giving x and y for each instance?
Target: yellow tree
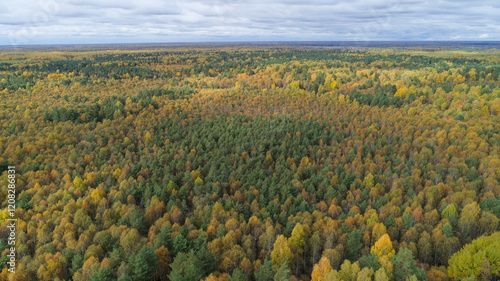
(296, 243)
(78, 184)
(380, 275)
(281, 252)
(321, 269)
(365, 274)
(348, 270)
(383, 247)
(369, 181)
(379, 230)
(479, 259)
(467, 224)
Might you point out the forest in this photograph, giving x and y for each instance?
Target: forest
(250, 163)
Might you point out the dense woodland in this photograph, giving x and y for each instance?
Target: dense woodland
(261, 163)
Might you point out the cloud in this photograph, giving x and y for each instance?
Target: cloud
(121, 21)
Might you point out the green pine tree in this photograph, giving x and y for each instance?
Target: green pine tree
(76, 263)
(238, 275)
(283, 273)
(143, 265)
(180, 244)
(405, 266)
(266, 272)
(354, 245)
(185, 268)
(206, 259)
(103, 274)
(164, 238)
(369, 261)
(136, 219)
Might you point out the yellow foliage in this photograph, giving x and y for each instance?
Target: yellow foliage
(78, 183)
(479, 258)
(402, 92)
(198, 181)
(4, 215)
(348, 270)
(387, 266)
(485, 111)
(412, 111)
(321, 269)
(281, 252)
(383, 247)
(368, 181)
(195, 174)
(379, 230)
(117, 173)
(97, 194)
(54, 75)
(381, 275)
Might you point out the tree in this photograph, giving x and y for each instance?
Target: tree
(283, 273)
(76, 263)
(143, 264)
(185, 268)
(53, 270)
(467, 223)
(238, 275)
(424, 247)
(478, 259)
(348, 270)
(164, 260)
(365, 274)
(130, 241)
(125, 277)
(89, 268)
(369, 261)
(180, 244)
(267, 239)
(315, 247)
(103, 274)
(296, 243)
(265, 272)
(206, 259)
(383, 247)
(378, 231)
(107, 243)
(354, 245)
(380, 275)
(136, 218)
(450, 212)
(281, 252)
(405, 266)
(321, 269)
(164, 238)
(78, 184)
(82, 220)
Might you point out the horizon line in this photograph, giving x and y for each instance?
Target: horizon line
(296, 43)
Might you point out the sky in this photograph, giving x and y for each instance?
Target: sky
(31, 22)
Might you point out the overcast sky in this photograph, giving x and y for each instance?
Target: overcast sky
(139, 21)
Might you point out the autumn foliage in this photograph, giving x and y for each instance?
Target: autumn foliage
(251, 163)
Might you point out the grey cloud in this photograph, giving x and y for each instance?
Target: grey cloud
(102, 4)
(88, 21)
